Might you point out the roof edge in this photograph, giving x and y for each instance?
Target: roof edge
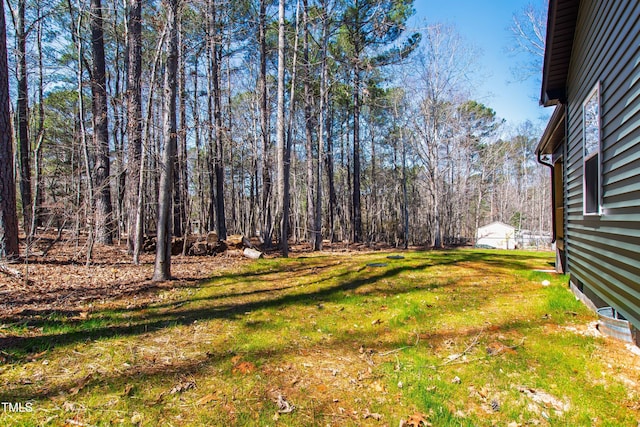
(562, 16)
(554, 132)
(551, 17)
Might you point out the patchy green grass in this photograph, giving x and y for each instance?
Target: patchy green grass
(451, 338)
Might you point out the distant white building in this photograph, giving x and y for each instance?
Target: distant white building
(496, 235)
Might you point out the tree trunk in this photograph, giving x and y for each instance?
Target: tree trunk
(162, 270)
(38, 195)
(286, 180)
(235, 200)
(266, 219)
(322, 114)
(183, 171)
(405, 196)
(140, 208)
(333, 198)
(210, 159)
(134, 118)
(356, 207)
(309, 125)
(197, 130)
(280, 133)
(179, 201)
(103, 208)
(83, 142)
(8, 216)
(435, 199)
(22, 112)
(119, 130)
(357, 210)
(216, 53)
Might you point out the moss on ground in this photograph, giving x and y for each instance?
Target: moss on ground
(464, 337)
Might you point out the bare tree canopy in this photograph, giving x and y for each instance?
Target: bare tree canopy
(167, 124)
(528, 29)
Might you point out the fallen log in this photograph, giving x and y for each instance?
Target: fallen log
(252, 253)
(235, 241)
(199, 248)
(212, 238)
(233, 253)
(247, 243)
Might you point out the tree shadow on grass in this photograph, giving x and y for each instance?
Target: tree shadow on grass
(145, 321)
(372, 351)
(199, 363)
(36, 307)
(180, 316)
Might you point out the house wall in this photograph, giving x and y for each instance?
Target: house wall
(604, 251)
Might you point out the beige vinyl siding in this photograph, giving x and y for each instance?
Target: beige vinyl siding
(604, 251)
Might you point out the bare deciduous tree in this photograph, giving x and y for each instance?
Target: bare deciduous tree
(528, 29)
(162, 270)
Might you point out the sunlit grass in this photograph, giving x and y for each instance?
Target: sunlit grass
(455, 337)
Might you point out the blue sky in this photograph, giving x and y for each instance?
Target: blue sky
(485, 25)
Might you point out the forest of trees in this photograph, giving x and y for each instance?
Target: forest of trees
(300, 121)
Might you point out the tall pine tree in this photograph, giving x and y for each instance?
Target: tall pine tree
(8, 216)
(369, 26)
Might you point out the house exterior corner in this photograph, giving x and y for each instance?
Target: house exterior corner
(592, 146)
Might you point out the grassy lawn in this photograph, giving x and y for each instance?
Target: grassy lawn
(442, 338)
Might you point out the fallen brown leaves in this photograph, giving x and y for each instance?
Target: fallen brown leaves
(81, 384)
(207, 398)
(55, 279)
(244, 368)
(416, 420)
(183, 386)
(61, 283)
